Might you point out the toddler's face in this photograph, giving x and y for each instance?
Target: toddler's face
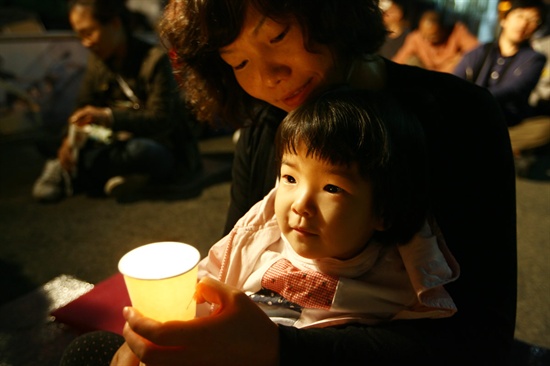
(324, 210)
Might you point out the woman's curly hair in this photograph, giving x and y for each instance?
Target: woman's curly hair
(195, 30)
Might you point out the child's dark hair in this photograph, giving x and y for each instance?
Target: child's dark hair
(346, 126)
(195, 30)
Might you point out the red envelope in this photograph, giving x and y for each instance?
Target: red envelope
(98, 309)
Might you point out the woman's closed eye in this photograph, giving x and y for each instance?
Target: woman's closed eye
(240, 66)
(281, 36)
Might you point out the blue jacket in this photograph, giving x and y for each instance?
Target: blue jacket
(509, 79)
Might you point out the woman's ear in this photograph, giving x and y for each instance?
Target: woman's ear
(380, 225)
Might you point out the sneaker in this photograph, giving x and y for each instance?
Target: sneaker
(53, 184)
(126, 188)
(523, 164)
(236, 136)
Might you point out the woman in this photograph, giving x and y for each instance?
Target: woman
(250, 62)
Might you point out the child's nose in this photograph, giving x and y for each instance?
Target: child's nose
(303, 204)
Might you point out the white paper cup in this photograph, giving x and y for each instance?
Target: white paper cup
(161, 279)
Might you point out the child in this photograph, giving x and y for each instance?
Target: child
(344, 237)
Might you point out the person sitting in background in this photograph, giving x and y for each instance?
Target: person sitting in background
(540, 96)
(130, 98)
(509, 67)
(397, 20)
(437, 44)
(532, 134)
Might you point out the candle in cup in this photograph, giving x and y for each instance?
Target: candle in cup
(161, 278)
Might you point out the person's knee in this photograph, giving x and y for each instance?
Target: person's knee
(530, 133)
(150, 156)
(141, 148)
(94, 348)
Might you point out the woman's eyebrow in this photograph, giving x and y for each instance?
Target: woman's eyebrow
(259, 25)
(255, 31)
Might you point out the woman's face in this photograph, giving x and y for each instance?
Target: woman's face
(271, 63)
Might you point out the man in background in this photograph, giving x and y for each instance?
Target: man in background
(130, 128)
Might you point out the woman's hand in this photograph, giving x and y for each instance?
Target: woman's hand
(237, 332)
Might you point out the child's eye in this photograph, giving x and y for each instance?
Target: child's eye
(289, 179)
(281, 36)
(333, 189)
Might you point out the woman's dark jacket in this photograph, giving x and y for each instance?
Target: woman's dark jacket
(473, 197)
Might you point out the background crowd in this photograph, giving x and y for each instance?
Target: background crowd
(513, 65)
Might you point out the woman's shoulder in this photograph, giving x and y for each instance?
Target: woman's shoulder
(445, 101)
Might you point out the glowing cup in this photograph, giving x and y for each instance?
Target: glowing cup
(161, 278)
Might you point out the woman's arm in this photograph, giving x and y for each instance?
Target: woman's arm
(237, 333)
(240, 333)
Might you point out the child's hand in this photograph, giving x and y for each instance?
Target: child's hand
(238, 332)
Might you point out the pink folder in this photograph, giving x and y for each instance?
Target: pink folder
(98, 309)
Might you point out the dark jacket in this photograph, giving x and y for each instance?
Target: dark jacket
(473, 199)
(510, 79)
(159, 113)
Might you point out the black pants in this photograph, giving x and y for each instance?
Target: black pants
(97, 163)
(92, 349)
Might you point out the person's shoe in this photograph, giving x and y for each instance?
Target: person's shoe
(53, 184)
(523, 163)
(236, 136)
(126, 188)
